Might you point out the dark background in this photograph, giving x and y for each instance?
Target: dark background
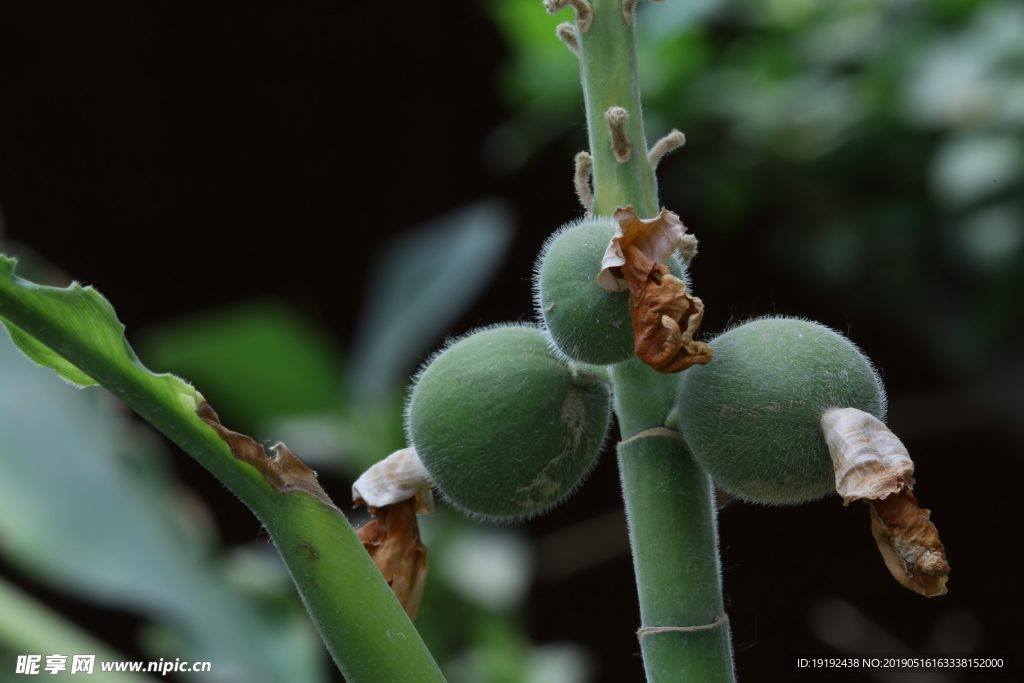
(184, 156)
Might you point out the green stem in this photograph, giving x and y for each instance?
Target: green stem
(673, 532)
(669, 499)
(608, 72)
(363, 625)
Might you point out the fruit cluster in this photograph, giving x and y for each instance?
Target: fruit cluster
(508, 420)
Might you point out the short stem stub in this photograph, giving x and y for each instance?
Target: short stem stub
(567, 33)
(671, 142)
(622, 148)
(584, 170)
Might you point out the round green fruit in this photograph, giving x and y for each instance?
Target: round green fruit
(586, 322)
(752, 415)
(504, 427)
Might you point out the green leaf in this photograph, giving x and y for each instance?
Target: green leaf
(41, 354)
(51, 317)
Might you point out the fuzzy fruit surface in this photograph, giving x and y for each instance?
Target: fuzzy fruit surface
(504, 427)
(751, 416)
(586, 322)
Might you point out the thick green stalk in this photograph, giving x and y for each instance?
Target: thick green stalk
(75, 331)
(684, 635)
(673, 532)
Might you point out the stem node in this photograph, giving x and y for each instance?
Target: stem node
(715, 623)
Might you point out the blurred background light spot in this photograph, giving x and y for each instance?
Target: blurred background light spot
(969, 167)
(993, 236)
(659, 20)
(964, 79)
(559, 663)
(490, 568)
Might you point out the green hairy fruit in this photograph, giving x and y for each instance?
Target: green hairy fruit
(752, 415)
(586, 323)
(504, 427)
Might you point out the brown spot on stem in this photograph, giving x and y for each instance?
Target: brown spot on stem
(311, 553)
(282, 469)
(392, 538)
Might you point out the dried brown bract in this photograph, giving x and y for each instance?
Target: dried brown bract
(665, 316)
(392, 538)
(282, 469)
(872, 465)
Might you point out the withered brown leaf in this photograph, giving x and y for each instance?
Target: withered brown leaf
(392, 538)
(665, 316)
(909, 543)
(873, 465)
(283, 470)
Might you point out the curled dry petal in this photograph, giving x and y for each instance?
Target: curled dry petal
(392, 538)
(282, 469)
(665, 316)
(872, 465)
(398, 477)
(657, 238)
